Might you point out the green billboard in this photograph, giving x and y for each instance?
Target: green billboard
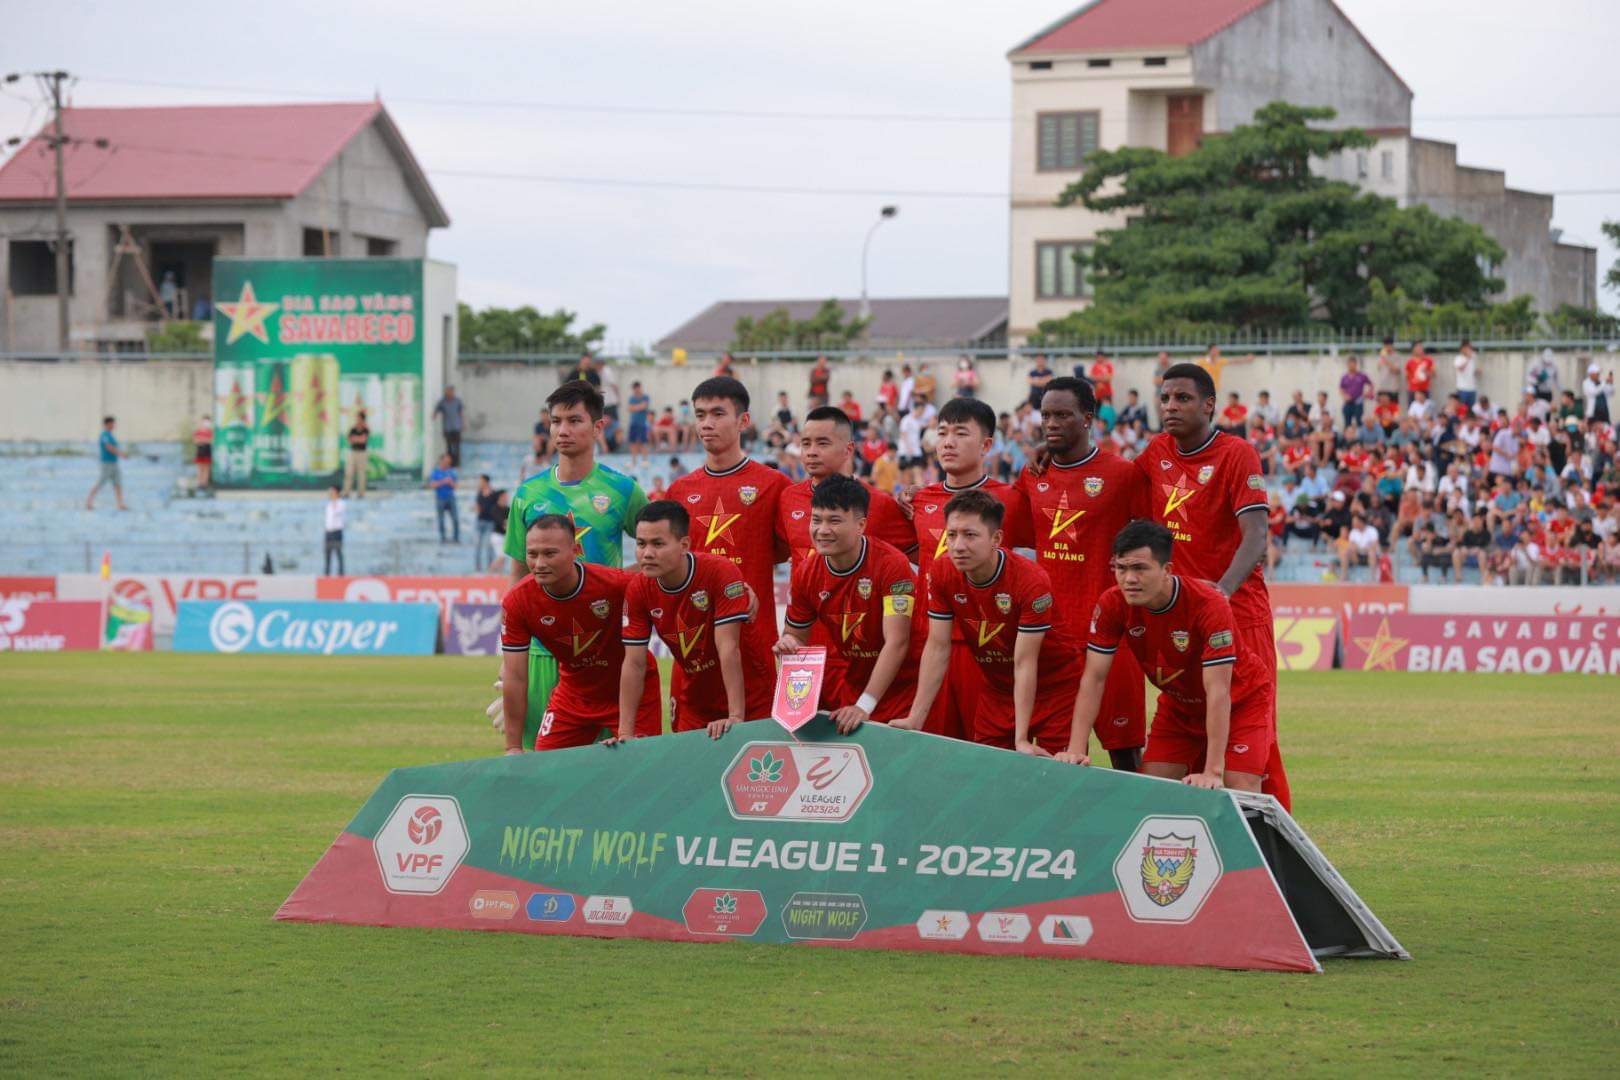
(301, 347)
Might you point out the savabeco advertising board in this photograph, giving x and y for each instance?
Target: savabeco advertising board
(881, 839)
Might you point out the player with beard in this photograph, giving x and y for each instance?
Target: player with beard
(966, 431)
(733, 500)
(861, 592)
(1207, 488)
(574, 609)
(1076, 506)
(826, 448)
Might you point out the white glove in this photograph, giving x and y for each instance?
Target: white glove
(497, 710)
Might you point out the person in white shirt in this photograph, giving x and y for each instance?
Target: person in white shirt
(1419, 409)
(1597, 394)
(335, 508)
(1360, 549)
(1467, 374)
(908, 383)
(910, 448)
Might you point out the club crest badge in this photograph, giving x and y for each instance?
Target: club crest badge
(1180, 639)
(700, 600)
(1003, 602)
(1094, 486)
(601, 503)
(1205, 473)
(748, 493)
(864, 588)
(600, 608)
(1167, 867)
(799, 681)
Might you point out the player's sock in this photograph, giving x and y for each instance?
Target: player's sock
(1127, 760)
(1275, 783)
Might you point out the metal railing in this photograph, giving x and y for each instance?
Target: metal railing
(361, 557)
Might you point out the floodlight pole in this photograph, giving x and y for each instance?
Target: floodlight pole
(883, 215)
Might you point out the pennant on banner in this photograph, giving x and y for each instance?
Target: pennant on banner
(798, 686)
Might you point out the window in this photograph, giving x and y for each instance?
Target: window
(1065, 140)
(1057, 275)
(1040, 65)
(1101, 62)
(322, 243)
(1361, 164)
(377, 247)
(1155, 61)
(1386, 164)
(31, 268)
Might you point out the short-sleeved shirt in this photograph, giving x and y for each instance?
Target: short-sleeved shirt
(928, 517)
(1175, 643)
(712, 594)
(850, 606)
(359, 437)
(445, 493)
(884, 521)
(108, 445)
(1198, 495)
(1419, 372)
(734, 514)
(1102, 378)
(1016, 600)
(1353, 385)
(581, 629)
(1075, 512)
(450, 410)
(603, 504)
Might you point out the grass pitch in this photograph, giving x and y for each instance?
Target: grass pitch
(157, 809)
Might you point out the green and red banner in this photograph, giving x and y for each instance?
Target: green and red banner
(881, 839)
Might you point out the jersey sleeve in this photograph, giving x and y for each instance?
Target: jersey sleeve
(1140, 495)
(633, 505)
(1034, 601)
(898, 586)
(1107, 622)
(637, 620)
(729, 594)
(1215, 626)
(939, 596)
(515, 532)
(800, 614)
(1246, 484)
(515, 633)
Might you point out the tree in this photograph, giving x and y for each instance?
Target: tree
(524, 330)
(1241, 233)
(828, 328)
(177, 336)
(1611, 280)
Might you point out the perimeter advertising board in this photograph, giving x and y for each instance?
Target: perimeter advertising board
(1486, 643)
(28, 625)
(161, 594)
(313, 628)
(880, 839)
(301, 347)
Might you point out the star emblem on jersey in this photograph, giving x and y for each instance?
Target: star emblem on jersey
(580, 639)
(1063, 519)
(688, 638)
(1205, 473)
(600, 608)
(939, 548)
(1163, 675)
(986, 632)
(719, 523)
(747, 493)
(1381, 649)
(700, 600)
(850, 623)
(1094, 486)
(1180, 639)
(601, 502)
(1176, 494)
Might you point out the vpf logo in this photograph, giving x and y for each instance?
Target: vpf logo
(1167, 867)
(231, 628)
(425, 825)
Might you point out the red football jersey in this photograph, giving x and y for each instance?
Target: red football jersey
(928, 517)
(1176, 642)
(1016, 600)
(1102, 380)
(581, 630)
(1075, 512)
(850, 607)
(734, 514)
(1198, 497)
(884, 521)
(685, 617)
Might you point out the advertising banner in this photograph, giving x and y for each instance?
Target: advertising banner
(161, 594)
(1538, 644)
(28, 625)
(310, 628)
(1305, 642)
(301, 346)
(881, 839)
(27, 588)
(474, 630)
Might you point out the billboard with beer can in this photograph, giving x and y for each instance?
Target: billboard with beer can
(303, 346)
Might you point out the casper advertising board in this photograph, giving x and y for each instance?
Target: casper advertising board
(1537, 644)
(311, 628)
(300, 347)
(881, 839)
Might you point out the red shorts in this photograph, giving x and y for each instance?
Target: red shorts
(1177, 737)
(957, 703)
(567, 723)
(1049, 724)
(1122, 716)
(1260, 640)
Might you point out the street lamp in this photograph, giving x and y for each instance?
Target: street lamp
(883, 215)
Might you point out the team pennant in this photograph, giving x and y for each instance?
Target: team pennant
(798, 686)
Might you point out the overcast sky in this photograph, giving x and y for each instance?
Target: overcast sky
(643, 259)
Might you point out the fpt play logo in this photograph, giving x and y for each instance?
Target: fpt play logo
(420, 844)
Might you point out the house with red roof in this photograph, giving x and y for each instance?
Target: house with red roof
(156, 194)
(1164, 73)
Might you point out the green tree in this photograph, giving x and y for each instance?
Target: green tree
(524, 330)
(177, 336)
(828, 328)
(1241, 233)
(1611, 280)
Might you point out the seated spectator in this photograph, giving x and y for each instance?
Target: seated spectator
(1360, 547)
(1234, 418)
(1134, 411)
(1433, 551)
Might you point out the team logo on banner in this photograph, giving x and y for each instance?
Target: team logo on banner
(1094, 486)
(1180, 639)
(748, 493)
(601, 503)
(1168, 869)
(1205, 473)
(600, 608)
(797, 781)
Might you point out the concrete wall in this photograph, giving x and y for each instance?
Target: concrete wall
(359, 194)
(1302, 51)
(159, 401)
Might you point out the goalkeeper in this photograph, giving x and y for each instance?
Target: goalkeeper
(602, 502)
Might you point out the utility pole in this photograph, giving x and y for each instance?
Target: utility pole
(883, 215)
(58, 142)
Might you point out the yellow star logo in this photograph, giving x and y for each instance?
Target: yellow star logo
(579, 535)
(718, 523)
(581, 640)
(1063, 519)
(688, 643)
(1381, 649)
(939, 548)
(1176, 494)
(247, 316)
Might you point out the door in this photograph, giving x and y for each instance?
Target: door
(1185, 117)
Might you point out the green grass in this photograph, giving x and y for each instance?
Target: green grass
(157, 809)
